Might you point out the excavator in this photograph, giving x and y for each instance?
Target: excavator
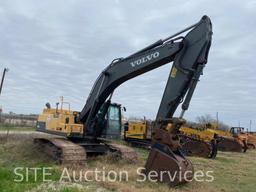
(139, 134)
(194, 145)
(233, 141)
(189, 55)
(239, 133)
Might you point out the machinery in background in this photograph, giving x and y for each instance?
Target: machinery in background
(138, 133)
(189, 55)
(193, 143)
(251, 141)
(203, 142)
(198, 143)
(226, 141)
(239, 133)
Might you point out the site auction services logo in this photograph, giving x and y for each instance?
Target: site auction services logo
(45, 174)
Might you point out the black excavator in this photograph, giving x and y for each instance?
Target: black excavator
(85, 129)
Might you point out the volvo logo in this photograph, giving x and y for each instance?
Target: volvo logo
(145, 59)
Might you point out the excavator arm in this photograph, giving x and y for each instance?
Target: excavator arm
(121, 70)
(189, 55)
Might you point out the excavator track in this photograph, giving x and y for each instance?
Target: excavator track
(123, 152)
(68, 153)
(195, 147)
(62, 151)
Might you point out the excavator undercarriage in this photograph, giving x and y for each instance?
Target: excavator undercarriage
(68, 153)
(62, 151)
(70, 147)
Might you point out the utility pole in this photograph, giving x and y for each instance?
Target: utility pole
(217, 118)
(1, 87)
(250, 125)
(2, 81)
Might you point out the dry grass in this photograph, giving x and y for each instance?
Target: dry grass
(19, 148)
(232, 171)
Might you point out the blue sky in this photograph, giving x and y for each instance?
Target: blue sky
(58, 48)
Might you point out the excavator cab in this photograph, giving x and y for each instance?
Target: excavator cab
(62, 121)
(235, 131)
(112, 123)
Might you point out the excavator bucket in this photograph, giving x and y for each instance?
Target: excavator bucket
(168, 166)
(198, 148)
(232, 145)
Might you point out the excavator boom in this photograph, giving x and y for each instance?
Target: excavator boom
(189, 54)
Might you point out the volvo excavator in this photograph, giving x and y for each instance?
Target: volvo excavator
(189, 55)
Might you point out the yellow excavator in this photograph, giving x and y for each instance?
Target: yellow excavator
(87, 130)
(138, 132)
(226, 141)
(193, 143)
(238, 132)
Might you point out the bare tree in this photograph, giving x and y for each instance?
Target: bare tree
(205, 119)
(223, 126)
(208, 121)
